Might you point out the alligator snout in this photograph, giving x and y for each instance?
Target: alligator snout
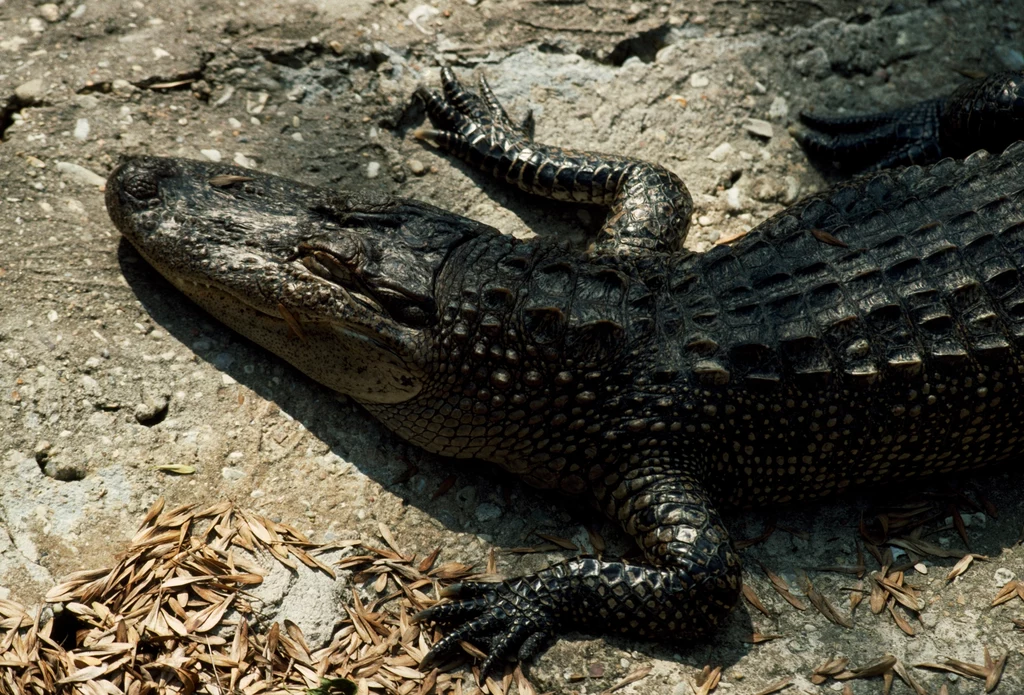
(134, 186)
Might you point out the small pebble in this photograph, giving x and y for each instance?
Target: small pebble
(921, 568)
(243, 161)
(732, 199)
(151, 411)
(699, 81)
(50, 12)
(80, 173)
(779, 108)
(792, 190)
(232, 473)
(91, 386)
(416, 167)
(1011, 58)
(297, 136)
(212, 155)
(704, 220)
(30, 92)
(488, 512)
(759, 128)
(82, 129)
(65, 470)
(372, 170)
(721, 152)
(1003, 576)
(122, 87)
(421, 14)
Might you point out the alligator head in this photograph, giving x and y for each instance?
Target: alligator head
(342, 286)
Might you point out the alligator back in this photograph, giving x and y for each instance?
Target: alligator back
(868, 333)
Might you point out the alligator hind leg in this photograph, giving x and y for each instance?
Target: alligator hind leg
(649, 206)
(986, 114)
(692, 581)
(875, 141)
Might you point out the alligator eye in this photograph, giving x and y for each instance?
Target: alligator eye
(141, 186)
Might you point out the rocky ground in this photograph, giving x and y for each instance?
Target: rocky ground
(116, 390)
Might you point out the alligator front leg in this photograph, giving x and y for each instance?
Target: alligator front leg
(650, 206)
(691, 583)
(985, 114)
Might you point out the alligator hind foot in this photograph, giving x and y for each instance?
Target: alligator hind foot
(649, 205)
(986, 114)
(875, 141)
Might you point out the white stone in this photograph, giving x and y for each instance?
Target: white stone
(721, 152)
(779, 108)
(759, 127)
(82, 129)
(80, 173)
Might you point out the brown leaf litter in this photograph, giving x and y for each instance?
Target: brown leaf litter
(889, 667)
(172, 616)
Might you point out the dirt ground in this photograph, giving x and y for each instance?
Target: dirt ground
(116, 390)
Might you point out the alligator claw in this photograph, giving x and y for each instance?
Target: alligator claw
(508, 617)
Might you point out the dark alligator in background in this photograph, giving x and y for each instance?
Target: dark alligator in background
(870, 333)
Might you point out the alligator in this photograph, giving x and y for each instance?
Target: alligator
(870, 333)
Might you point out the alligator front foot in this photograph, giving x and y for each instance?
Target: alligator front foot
(649, 207)
(515, 618)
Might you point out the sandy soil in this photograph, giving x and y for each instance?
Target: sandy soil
(111, 381)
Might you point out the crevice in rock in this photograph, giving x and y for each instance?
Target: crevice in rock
(644, 46)
(8, 107)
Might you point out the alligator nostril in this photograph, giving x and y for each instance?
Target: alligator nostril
(141, 186)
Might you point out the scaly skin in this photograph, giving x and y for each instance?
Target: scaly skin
(986, 114)
(871, 333)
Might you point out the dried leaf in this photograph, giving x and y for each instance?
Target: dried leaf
(176, 468)
(823, 605)
(901, 622)
(776, 687)
(780, 586)
(753, 600)
(632, 677)
(560, 542)
(1007, 593)
(921, 547)
(871, 670)
(824, 237)
(995, 670)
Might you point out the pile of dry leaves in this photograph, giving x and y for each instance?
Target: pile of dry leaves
(173, 616)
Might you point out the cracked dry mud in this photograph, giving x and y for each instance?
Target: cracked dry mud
(111, 381)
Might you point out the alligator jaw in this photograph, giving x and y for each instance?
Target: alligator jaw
(230, 240)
